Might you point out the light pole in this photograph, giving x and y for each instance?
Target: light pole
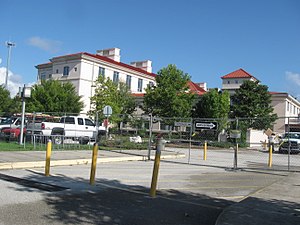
(26, 92)
(9, 45)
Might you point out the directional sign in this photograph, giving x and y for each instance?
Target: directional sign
(206, 125)
(107, 110)
(183, 124)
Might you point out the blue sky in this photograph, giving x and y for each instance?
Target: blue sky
(205, 38)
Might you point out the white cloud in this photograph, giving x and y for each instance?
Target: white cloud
(47, 45)
(293, 77)
(14, 81)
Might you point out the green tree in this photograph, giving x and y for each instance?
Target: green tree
(171, 96)
(214, 104)
(5, 100)
(252, 100)
(54, 96)
(116, 95)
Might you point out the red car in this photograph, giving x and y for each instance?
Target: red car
(12, 133)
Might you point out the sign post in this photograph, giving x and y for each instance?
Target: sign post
(107, 111)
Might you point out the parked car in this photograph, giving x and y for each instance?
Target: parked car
(290, 142)
(12, 122)
(9, 133)
(75, 127)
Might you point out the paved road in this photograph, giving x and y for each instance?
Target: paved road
(187, 193)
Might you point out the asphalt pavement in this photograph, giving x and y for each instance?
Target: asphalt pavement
(277, 203)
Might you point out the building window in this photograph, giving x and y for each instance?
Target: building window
(43, 76)
(116, 77)
(128, 81)
(66, 71)
(75, 69)
(228, 82)
(56, 70)
(50, 76)
(101, 71)
(288, 106)
(236, 81)
(151, 84)
(140, 85)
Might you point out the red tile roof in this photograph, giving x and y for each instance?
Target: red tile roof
(106, 59)
(119, 63)
(240, 73)
(196, 88)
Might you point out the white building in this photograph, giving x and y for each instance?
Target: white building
(287, 109)
(82, 70)
(235, 79)
(284, 105)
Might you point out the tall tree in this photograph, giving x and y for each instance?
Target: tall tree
(170, 97)
(116, 95)
(214, 104)
(54, 96)
(252, 100)
(5, 100)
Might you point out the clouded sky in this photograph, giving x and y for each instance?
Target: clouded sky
(205, 38)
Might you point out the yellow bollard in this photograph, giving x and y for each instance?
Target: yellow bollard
(270, 156)
(48, 155)
(265, 145)
(94, 163)
(205, 150)
(155, 174)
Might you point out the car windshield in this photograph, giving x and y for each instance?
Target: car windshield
(7, 121)
(292, 135)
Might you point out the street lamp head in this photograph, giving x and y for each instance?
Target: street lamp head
(10, 44)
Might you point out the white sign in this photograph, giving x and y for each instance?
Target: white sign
(183, 124)
(211, 125)
(107, 110)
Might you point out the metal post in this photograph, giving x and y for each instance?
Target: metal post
(150, 135)
(204, 150)
(9, 45)
(48, 155)
(94, 163)
(156, 167)
(270, 156)
(289, 149)
(23, 116)
(190, 146)
(236, 147)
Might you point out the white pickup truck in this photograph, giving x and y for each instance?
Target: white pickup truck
(69, 127)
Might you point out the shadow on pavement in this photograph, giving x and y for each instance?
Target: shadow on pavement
(111, 202)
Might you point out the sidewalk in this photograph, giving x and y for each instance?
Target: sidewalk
(35, 159)
(277, 204)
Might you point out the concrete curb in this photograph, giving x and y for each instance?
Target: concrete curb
(71, 162)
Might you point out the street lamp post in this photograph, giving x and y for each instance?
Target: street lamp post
(9, 45)
(26, 92)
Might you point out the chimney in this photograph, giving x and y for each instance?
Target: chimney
(202, 85)
(145, 65)
(112, 53)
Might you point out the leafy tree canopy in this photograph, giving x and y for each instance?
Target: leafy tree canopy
(171, 96)
(116, 95)
(213, 104)
(54, 96)
(252, 100)
(5, 100)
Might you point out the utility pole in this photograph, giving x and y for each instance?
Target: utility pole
(9, 45)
